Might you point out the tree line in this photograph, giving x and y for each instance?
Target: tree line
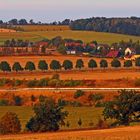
(129, 26)
(67, 65)
(15, 21)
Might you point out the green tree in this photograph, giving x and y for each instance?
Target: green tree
(17, 67)
(78, 94)
(48, 116)
(68, 65)
(116, 63)
(30, 66)
(55, 65)
(42, 65)
(103, 63)
(137, 62)
(124, 108)
(79, 64)
(94, 98)
(4, 66)
(128, 63)
(10, 124)
(61, 49)
(92, 64)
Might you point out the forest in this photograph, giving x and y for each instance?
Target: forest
(130, 26)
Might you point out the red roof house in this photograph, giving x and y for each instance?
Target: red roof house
(113, 54)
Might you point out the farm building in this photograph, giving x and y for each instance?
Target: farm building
(130, 51)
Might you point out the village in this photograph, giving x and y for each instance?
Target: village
(125, 50)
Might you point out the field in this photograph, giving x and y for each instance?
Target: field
(86, 36)
(87, 114)
(6, 30)
(124, 133)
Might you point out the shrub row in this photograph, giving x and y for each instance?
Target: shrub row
(44, 82)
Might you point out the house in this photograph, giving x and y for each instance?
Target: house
(113, 54)
(130, 51)
(73, 52)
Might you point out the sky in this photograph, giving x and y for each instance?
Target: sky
(58, 10)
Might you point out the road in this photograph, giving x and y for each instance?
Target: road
(68, 89)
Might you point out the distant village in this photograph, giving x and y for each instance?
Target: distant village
(128, 50)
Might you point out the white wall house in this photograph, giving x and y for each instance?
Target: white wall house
(130, 51)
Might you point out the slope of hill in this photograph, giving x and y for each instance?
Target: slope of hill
(86, 36)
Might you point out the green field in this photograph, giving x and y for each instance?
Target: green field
(86, 36)
(87, 114)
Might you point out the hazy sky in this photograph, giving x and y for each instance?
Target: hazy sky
(51, 10)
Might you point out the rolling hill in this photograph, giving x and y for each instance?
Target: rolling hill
(86, 36)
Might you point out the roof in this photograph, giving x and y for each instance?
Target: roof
(73, 44)
(113, 54)
(132, 49)
(42, 43)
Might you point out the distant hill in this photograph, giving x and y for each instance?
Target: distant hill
(130, 26)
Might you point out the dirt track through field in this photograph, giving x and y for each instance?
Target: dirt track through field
(125, 133)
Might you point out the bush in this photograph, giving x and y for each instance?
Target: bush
(62, 102)
(33, 98)
(75, 104)
(79, 122)
(17, 100)
(17, 82)
(4, 81)
(43, 82)
(78, 94)
(102, 124)
(10, 124)
(4, 102)
(72, 83)
(56, 76)
(32, 83)
(54, 83)
(95, 98)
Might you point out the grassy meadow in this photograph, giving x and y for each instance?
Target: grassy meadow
(88, 115)
(86, 36)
